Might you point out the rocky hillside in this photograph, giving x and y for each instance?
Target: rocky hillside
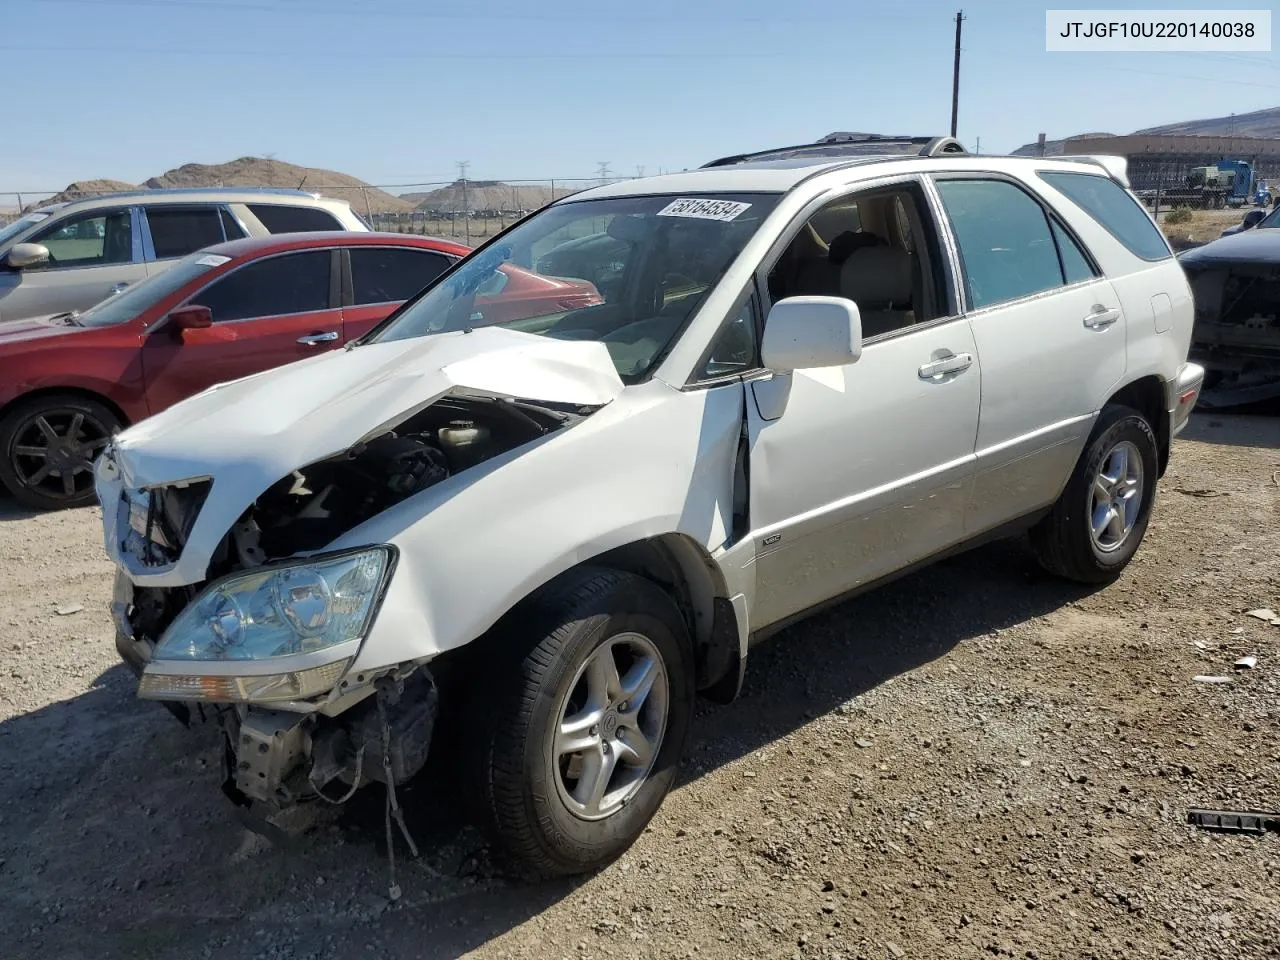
(1260, 123)
(485, 195)
(253, 172)
(262, 172)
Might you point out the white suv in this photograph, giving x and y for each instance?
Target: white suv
(66, 257)
(811, 370)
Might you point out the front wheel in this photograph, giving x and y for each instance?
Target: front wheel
(1096, 526)
(47, 448)
(586, 732)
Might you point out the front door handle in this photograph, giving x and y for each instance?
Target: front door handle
(954, 363)
(311, 339)
(1101, 317)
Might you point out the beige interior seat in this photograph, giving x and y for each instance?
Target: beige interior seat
(878, 280)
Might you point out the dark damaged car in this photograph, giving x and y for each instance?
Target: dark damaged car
(1236, 285)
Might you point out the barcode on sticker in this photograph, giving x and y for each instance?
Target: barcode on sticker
(704, 209)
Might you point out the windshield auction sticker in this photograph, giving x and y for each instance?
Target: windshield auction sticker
(703, 209)
(1163, 31)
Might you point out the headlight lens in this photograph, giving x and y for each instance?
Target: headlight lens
(280, 610)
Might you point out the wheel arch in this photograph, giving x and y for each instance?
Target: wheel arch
(82, 392)
(1148, 396)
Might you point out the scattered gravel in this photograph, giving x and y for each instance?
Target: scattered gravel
(976, 761)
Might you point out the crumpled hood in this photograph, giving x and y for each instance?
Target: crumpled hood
(247, 434)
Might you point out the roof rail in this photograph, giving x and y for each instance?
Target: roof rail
(161, 191)
(839, 145)
(1117, 168)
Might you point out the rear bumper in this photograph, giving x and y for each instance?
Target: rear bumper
(1185, 393)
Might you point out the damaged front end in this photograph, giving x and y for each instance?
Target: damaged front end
(263, 644)
(1236, 336)
(232, 606)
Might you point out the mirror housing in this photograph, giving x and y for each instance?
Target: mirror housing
(1252, 219)
(22, 255)
(806, 332)
(191, 317)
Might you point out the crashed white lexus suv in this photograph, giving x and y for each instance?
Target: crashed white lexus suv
(807, 370)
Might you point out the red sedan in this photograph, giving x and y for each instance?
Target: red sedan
(68, 382)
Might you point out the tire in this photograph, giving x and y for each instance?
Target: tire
(531, 792)
(1064, 541)
(34, 460)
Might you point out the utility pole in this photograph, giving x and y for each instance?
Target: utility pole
(640, 170)
(466, 206)
(978, 147)
(955, 76)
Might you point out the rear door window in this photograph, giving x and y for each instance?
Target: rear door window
(1113, 207)
(387, 274)
(178, 231)
(1007, 250)
(278, 218)
(290, 283)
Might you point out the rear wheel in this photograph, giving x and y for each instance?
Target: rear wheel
(585, 736)
(1096, 526)
(47, 448)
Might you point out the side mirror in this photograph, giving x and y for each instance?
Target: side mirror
(191, 317)
(22, 255)
(1252, 219)
(805, 332)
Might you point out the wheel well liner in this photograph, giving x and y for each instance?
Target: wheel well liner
(1147, 396)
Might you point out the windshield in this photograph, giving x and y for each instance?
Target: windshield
(627, 272)
(15, 228)
(133, 300)
(1272, 219)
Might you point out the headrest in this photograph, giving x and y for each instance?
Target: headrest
(846, 243)
(877, 278)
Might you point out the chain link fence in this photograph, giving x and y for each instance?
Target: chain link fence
(468, 211)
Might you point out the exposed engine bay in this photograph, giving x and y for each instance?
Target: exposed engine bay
(1237, 332)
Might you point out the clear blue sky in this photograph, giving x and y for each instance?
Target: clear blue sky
(396, 91)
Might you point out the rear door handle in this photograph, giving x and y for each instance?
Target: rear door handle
(955, 363)
(312, 339)
(1101, 317)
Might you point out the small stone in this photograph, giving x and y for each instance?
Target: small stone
(894, 949)
(69, 609)
(864, 744)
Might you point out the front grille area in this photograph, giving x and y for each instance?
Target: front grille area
(153, 524)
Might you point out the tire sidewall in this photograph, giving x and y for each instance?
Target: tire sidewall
(1131, 426)
(567, 837)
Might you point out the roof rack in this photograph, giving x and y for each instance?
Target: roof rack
(837, 145)
(161, 191)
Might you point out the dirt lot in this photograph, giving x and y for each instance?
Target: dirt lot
(976, 761)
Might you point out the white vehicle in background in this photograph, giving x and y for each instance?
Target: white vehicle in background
(66, 257)
(814, 368)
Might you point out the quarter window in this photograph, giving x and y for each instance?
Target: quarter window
(281, 219)
(1113, 207)
(91, 239)
(178, 231)
(1076, 267)
(735, 346)
(1007, 249)
(386, 274)
(292, 283)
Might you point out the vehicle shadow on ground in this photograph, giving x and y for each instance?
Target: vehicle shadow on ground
(1257, 425)
(10, 509)
(135, 808)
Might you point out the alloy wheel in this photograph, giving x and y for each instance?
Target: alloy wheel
(1115, 501)
(53, 450)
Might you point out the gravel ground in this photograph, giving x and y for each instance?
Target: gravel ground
(975, 761)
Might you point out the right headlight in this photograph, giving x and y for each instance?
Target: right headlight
(281, 610)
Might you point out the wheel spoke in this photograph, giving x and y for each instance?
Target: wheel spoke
(602, 677)
(1129, 508)
(68, 482)
(1115, 525)
(1120, 463)
(1101, 489)
(73, 431)
(638, 682)
(597, 771)
(46, 428)
(1101, 517)
(575, 734)
(23, 450)
(40, 475)
(634, 747)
